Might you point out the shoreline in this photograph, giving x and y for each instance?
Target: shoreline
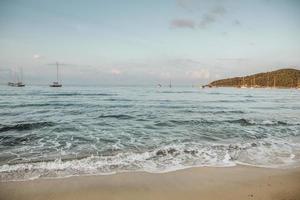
(237, 87)
(172, 170)
(239, 182)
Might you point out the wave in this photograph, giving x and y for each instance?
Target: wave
(179, 92)
(172, 123)
(48, 104)
(8, 141)
(241, 121)
(121, 116)
(227, 112)
(215, 111)
(78, 94)
(250, 122)
(230, 101)
(25, 126)
(266, 153)
(115, 99)
(61, 94)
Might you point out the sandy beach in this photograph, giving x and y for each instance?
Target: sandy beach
(196, 183)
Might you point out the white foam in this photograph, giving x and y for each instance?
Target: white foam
(265, 153)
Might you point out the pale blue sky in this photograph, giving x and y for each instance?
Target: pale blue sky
(147, 42)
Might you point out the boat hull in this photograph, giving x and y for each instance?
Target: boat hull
(20, 84)
(56, 85)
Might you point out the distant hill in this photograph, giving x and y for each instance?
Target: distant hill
(285, 78)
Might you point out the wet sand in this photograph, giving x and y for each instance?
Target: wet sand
(232, 183)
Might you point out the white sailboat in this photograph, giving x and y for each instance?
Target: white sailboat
(56, 83)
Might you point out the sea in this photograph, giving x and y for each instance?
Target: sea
(98, 130)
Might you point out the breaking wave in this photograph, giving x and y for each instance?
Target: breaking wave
(169, 158)
(25, 126)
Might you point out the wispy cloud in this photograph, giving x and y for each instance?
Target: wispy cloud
(233, 59)
(212, 16)
(68, 64)
(115, 72)
(36, 56)
(206, 20)
(209, 16)
(198, 74)
(186, 4)
(218, 10)
(236, 22)
(183, 23)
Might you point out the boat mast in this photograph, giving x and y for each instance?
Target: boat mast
(11, 75)
(21, 74)
(57, 71)
(16, 76)
(274, 82)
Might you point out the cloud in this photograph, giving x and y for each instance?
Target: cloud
(165, 75)
(212, 16)
(206, 20)
(69, 64)
(236, 23)
(36, 56)
(218, 10)
(183, 23)
(209, 17)
(115, 71)
(233, 59)
(198, 74)
(186, 4)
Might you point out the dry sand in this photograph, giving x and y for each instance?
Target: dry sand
(197, 183)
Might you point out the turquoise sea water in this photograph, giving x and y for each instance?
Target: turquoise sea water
(58, 132)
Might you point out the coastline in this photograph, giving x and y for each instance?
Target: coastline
(239, 182)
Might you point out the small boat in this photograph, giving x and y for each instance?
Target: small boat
(56, 83)
(11, 84)
(17, 82)
(20, 84)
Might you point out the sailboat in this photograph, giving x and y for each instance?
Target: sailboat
(170, 85)
(56, 83)
(13, 79)
(17, 82)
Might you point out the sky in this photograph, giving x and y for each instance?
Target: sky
(140, 42)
